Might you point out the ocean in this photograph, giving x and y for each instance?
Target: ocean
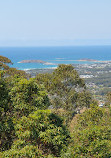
(54, 55)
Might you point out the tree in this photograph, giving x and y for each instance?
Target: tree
(3, 63)
(14, 72)
(6, 71)
(66, 89)
(27, 96)
(40, 134)
(92, 134)
(108, 99)
(18, 97)
(6, 123)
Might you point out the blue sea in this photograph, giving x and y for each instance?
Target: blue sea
(54, 55)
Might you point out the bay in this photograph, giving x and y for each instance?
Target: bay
(54, 55)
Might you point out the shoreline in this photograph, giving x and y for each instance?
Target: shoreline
(48, 63)
(53, 66)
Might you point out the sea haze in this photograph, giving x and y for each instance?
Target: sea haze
(54, 55)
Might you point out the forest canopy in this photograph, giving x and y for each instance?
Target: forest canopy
(51, 115)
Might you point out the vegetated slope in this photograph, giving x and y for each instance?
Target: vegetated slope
(38, 116)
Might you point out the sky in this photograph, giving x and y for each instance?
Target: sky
(55, 22)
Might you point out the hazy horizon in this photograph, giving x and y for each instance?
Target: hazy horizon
(55, 23)
(55, 43)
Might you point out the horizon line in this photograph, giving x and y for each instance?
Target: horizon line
(56, 45)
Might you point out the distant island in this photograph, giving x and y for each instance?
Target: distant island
(32, 61)
(93, 60)
(37, 61)
(48, 63)
(86, 59)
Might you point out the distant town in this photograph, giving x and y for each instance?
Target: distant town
(97, 76)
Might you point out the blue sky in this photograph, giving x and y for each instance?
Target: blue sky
(55, 22)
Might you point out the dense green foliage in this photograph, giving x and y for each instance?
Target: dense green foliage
(92, 134)
(42, 130)
(27, 96)
(65, 88)
(38, 116)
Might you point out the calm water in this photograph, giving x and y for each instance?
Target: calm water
(54, 55)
